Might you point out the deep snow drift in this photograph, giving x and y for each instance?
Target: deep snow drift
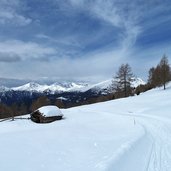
(129, 134)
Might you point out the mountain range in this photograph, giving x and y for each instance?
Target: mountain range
(67, 86)
(68, 93)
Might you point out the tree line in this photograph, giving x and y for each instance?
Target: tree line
(161, 74)
(157, 76)
(17, 109)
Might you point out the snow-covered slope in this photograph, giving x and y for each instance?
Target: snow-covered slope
(105, 86)
(4, 89)
(136, 82)
(129, 134)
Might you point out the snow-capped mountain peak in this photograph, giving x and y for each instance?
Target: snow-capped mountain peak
(32, 86)
(56, 87)
(137, 81)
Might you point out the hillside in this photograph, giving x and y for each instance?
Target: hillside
(129, 134)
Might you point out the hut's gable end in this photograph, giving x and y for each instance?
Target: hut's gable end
(36, 116)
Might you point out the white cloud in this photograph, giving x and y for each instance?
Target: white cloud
(97, 66)
(8, 17)
(9, 13)
(69, 41)
(19, 50)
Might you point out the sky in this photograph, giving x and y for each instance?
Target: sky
(82, 39)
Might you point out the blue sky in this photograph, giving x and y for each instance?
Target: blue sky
(82, 39)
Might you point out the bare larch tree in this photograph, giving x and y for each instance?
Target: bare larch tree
(122, 80)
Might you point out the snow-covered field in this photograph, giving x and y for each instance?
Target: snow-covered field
(129, 134)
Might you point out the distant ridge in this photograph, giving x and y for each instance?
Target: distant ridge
(67, 86)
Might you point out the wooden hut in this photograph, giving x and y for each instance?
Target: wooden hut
(46, 114)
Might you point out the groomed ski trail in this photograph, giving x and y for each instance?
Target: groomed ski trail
(152, 152)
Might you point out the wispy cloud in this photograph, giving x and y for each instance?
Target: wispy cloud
(9, 13)
(68, 41)
(120, 14)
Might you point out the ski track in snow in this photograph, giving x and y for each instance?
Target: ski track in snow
(160, 152)
(157, 154)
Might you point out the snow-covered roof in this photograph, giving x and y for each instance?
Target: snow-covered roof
(62, 98)
(50, 111)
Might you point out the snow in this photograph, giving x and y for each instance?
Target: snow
(62, 98)
(50, 111)
(106, 85)
(3, 89)
(70, 87)
(129, 134)
(136, 82)
(31, 87)
(56, 87)
(102, 85)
